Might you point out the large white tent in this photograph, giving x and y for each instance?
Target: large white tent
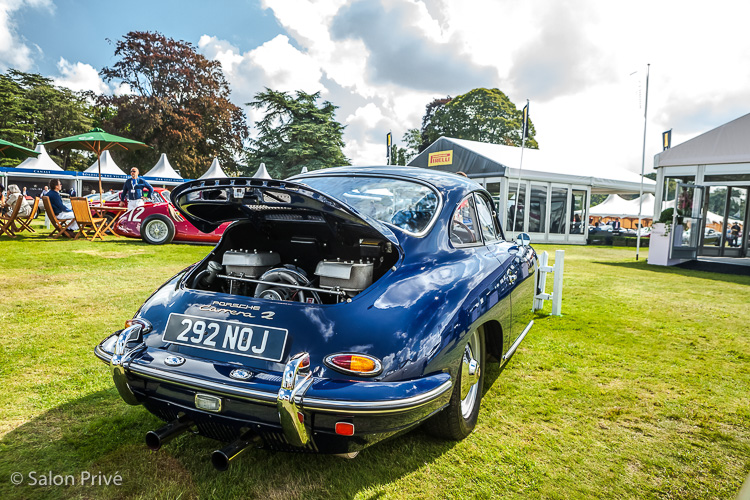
(615, 206)
(214, 171)
(41, 162)
(262, 173)
(108, 165)
(163, 170)
(646, 207)
(612, 206)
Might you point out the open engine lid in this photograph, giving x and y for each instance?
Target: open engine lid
(209, 203)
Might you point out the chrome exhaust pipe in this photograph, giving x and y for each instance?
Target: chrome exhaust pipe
(220, 459)
(154, 439)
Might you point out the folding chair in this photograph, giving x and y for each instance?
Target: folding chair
(7, 222)
(58, 225)
(89, 226)
(25, 222)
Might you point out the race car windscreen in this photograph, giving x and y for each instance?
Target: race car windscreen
(407, 205)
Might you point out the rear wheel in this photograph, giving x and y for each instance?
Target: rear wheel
(157, 230)
(109, 218)
(457, 420)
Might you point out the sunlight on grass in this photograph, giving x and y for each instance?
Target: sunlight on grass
(639, 390)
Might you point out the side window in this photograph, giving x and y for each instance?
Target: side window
(486, 219)
(464, 229)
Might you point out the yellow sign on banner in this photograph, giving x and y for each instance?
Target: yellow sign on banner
(440, 158)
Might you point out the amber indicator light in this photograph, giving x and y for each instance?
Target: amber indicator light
(354, 363)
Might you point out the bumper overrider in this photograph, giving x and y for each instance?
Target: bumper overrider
(294, 412)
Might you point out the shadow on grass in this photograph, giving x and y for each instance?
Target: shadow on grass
(101, 435)
(679, 271)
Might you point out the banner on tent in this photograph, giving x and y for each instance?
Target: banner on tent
(440, 158)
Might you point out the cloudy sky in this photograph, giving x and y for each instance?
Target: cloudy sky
(581, 63)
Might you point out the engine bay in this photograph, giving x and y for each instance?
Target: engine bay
(292, 261)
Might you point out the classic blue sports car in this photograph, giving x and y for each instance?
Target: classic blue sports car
(341, 307)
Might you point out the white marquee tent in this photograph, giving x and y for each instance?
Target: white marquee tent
(262, 173)
(214, 171)
(163, 170)
(615, 206)
(108, 166)
(612, 206)
(41, 162)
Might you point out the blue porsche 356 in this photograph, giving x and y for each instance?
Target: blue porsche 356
(341, 307)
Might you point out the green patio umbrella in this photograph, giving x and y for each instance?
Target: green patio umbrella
(98, 141)
(10, 150)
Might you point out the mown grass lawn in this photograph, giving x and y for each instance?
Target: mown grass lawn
(639, 391)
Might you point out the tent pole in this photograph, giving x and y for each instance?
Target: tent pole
(520, 166)
(99, 165)
(643, 166)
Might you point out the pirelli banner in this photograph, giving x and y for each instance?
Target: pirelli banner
(440, 158)
(452, 155)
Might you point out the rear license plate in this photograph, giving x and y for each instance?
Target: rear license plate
(253, 341)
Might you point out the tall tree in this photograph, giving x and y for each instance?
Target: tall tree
(35, 110)
(178, 104)
(295, 133)
(484, 115)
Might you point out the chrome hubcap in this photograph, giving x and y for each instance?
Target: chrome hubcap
(157, 230)
(470, 373)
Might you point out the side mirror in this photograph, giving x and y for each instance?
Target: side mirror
(523, 240)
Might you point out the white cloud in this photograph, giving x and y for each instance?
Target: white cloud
(383, 61)
(14, 49)
(79, 77)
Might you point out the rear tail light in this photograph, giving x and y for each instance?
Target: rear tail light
(355, 364)
(344, 429)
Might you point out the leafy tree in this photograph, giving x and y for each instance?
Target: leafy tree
(34, 110)
(295, 133)
(179, 104)
(485, 115)
(398, 155)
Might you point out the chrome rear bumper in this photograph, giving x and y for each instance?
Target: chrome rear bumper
(297, 397)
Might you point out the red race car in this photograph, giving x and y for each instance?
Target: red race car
(159, 223)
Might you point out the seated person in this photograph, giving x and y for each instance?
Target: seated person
(60, 210)
(13, 194)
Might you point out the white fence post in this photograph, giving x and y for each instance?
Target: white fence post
(557, 284)
(542, 282)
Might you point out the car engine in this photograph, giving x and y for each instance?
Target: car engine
(297, 269)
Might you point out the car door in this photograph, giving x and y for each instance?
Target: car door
(506, 272)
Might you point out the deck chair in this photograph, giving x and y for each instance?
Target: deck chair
(59, 226)
(7, 222)
(24, 223)
(89, 227)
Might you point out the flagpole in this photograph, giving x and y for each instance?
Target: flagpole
(643, 166)
(520, 165)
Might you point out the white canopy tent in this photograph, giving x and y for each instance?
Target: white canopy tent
(41, 162)
(647, 207)
(262, 173)
(108, 166)
(613, 206)
(214, 171)
(163, 170)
